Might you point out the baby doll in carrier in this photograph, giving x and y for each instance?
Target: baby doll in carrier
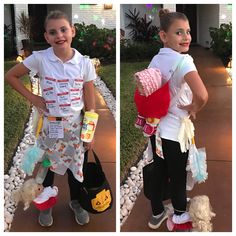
(151, 98)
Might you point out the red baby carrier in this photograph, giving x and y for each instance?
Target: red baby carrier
(157, 104)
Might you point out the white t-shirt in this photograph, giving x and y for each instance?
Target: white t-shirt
(167, 60)
(61, 83)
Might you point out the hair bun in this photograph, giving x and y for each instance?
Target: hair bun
(163, 12)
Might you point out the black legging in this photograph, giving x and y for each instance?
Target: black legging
(74, 184)
(172, 168)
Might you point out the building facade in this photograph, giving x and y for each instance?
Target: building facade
(201, 17)
(98, 14)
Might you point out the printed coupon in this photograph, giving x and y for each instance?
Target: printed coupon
(56, 129)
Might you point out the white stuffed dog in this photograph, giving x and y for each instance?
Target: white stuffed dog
(27, 192)
(201, 213)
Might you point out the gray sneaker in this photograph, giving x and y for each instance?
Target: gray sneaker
(154, 223)
(81, 215)
(45, 218)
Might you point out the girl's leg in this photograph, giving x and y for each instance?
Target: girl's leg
(74, 185)
(160, 180)
(49, 179)
(45, 217)
(81, 215)
(176, 163)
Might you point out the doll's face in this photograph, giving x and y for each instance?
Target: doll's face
(38, 189)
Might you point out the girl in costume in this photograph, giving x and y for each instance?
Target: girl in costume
(66, 80)
(188, 96)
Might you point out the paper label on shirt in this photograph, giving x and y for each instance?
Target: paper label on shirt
(65, 108)
(50, 104)
(75, 93)
(48, 92)
(63, 98)
(75, 101)
(49, 81)
(63, 84)
(56, 129)
(78, 83)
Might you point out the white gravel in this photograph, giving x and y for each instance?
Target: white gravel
(132, 187)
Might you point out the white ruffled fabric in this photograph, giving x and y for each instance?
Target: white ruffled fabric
(181, 219)
(46, 194)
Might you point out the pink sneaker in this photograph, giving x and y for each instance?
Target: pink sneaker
(140, 122)
(149, 130)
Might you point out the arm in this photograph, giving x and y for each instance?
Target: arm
(13, 78)
(200, 95)
(89, 97)
(89, 104)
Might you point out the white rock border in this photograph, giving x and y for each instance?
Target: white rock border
(15, 178)
(107, 95)
(132, 187)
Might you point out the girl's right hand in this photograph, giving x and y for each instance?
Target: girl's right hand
(40, 103)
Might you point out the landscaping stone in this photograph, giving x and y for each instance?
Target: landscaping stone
(132, 187)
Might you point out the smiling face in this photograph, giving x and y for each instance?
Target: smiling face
(59, 34)
(177, 36)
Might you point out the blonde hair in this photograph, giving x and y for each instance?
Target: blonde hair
(55, 15)
(167, 18)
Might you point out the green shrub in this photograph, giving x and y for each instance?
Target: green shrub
(108, 75)
(95, 42)
(141, 29)
(221, 43)
(16, 114)
(132, 141)
(138, 51)
(8, 41)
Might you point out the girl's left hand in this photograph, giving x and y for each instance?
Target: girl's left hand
(89, 146)
(190, 108)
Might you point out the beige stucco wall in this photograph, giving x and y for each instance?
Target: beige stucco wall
(94, 14)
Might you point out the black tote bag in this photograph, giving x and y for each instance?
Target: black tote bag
(95, 195)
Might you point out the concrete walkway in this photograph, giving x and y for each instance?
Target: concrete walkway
(213, 131)
(105, 147)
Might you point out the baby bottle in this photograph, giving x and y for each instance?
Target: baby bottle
(43, 170)
(89, 126)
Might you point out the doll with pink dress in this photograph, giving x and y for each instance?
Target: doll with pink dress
(151, 99)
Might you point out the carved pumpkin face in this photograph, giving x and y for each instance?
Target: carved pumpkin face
(102, 200)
